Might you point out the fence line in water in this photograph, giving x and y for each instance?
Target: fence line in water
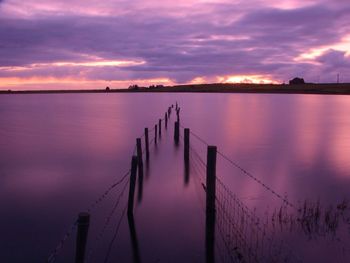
(242, 233)
(53, 255)
(243, 236)
(244, 171)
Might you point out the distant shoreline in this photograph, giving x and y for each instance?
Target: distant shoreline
(330, 89)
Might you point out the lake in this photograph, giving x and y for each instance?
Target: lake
(60, 152)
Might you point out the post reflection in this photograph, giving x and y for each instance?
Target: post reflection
(147, 170)
(140, 185)
(133, 238)
(187, 173)
(210, 236)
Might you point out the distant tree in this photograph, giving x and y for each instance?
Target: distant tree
(296, 81)
(134, 87)
(107, 89)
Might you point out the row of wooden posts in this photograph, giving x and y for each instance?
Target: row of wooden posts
(137, 164)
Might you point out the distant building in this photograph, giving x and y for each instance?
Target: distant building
(296, 81)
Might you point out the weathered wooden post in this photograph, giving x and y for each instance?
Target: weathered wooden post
(210, 204)
(155, 134)
(211, 177)
(82, 234)
(140, 169)
(187, 155)
(166, 120)
(160, 127)
(178, 114)
(132, 185)
(176, 132)
(147, 143)
(187, 145)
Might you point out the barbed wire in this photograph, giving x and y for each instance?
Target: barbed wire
(52, 257)
(244, 171)
(198, 157)
(254, 220)
(257, 180)
(105, 194)
(256, 230)
(114, 236)
(107, 221)
(199, 186)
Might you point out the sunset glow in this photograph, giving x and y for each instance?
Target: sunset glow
(314, 53)
(196, 41)
(248, 79)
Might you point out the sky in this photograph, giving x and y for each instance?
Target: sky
(86, 44)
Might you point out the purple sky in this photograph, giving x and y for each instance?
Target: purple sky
(93, 43)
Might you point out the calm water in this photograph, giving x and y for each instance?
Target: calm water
(59, 152)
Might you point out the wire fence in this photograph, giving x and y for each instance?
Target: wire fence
(244, 237)
(99, 236)
(56, 251)
(245, 172)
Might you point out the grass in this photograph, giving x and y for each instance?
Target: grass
(309, 88)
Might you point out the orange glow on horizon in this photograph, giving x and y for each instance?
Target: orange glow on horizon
(343, 45)
(47, 83)
(247, 79)
(32, 83)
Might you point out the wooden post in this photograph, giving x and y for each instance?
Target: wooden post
(160, 127)
(147, 143)
(187, 155)
(155, 134)
(82, 234)
(132, 186)
(176, 132)
(187, 145)
(140, 169)
(210, 205)
(178, 114)
(166, 120)
(211, 177)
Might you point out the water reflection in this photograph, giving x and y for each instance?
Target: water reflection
(59, 152)
(140, 184)
(210, 235)
(134, 241)
(186, 173)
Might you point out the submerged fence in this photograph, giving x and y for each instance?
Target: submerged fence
(81, 225)
(233, 231)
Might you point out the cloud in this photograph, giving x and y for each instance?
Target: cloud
(212, 39)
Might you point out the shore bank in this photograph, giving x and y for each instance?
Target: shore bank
(340, 89)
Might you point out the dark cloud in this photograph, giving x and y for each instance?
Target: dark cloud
(266, 41)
